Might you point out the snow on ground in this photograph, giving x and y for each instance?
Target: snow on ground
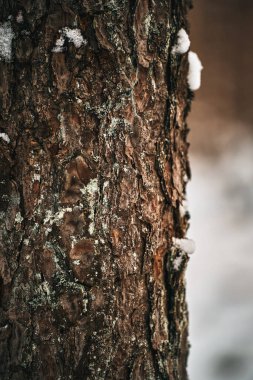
(220, 274)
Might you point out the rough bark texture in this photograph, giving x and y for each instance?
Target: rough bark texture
(91, 186)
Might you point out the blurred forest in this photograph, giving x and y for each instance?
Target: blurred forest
(219, 278)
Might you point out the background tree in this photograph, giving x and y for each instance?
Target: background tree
(93, 172)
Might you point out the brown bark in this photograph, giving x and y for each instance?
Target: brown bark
(91, 184)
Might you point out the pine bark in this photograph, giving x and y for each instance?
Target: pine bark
(91, 186)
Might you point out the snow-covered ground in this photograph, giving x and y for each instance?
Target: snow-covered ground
(220, 273)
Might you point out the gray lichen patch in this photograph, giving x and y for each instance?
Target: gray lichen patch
(56, 217)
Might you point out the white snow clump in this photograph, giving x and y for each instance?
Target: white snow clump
(194, 73)
(6, 36)
(58, 48)
(73, 35)
(186, 245)
(177, 262)
(183, 42)
(5, 137)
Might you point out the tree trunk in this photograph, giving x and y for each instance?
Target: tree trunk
(93, 172)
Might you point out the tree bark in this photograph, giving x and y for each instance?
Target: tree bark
(94, 104)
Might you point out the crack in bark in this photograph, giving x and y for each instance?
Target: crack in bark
(158, 374)
(159, 172)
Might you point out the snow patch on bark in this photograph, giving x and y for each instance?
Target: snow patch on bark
(73, 35)
(185, 245)
(194, 73)
(183, 42)
(59, 45)
(36, 177)
(90, 192)
(177, 262)
(6, 36)
(5, 137)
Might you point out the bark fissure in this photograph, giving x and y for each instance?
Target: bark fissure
(158, 374)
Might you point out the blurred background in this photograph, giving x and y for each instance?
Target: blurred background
(220, 195)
